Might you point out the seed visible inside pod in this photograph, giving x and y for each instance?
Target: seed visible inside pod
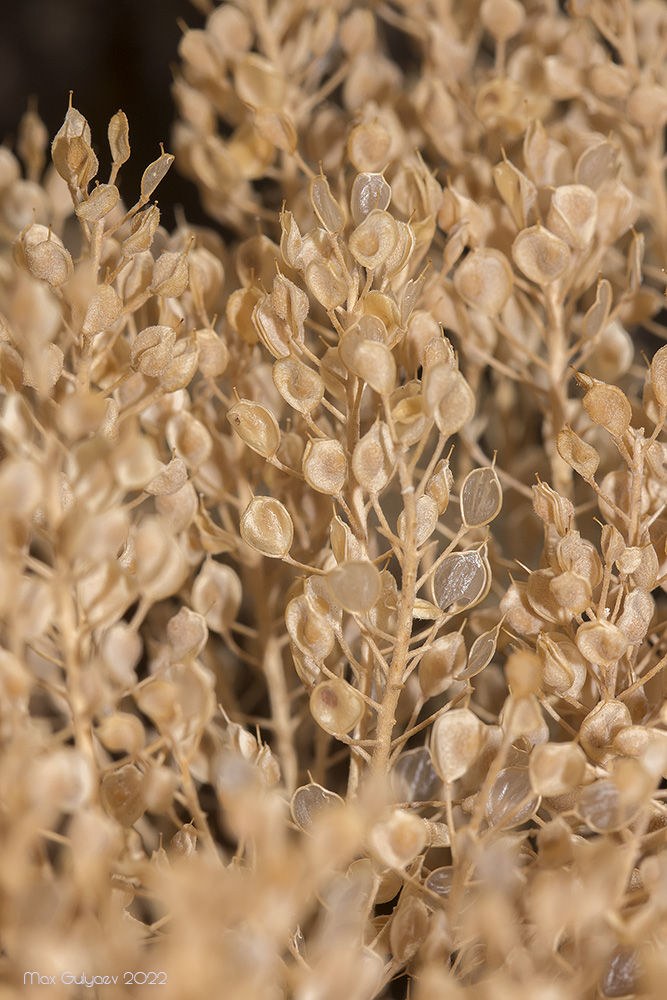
(325, 466)
(481, 497)
(456, 406)
(511, 800)
(256, 426)
(327, 282)
(298, 384)
(600, 727)
(440, 484)
(355, 585)
(311, 801)
(399, 839)
(573, 214)
(456, 743)
(462, 579)
(370, 191)
(374, 239)
(581, 457)
(266, 526)
(336, 706)
(444, 659)
(374, 458)
(310, 631)
(541, 256)
(481, 653)
(484, 281)
(413, 777)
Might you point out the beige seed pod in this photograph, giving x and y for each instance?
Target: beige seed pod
(171, 276)
(659, 375)
(600, 728)
(601, 643)
(573, 214)
(444, 660)
(484, 281)
(600, 806)
(374, 458)
(552, 508)
(154, 174)
(355, 585)
(187, 634)
(298, 384)
(502, 18)
(461, 580)
(103, 310)
(99, 203)
(368, 147)
(217, 594)
(121, 794)
(258, 82)
(276, 127)
(408, 928)
(457, 740)
(511, 800)
(572, 592)
(118, 134)
(370, 191)
(607, 406)
(142, 230)
(310, 631)
(398, 839)
(481, 654)
(440, 485)
(541, 256)
(596, 317)
(426, 516)
(556, 768)
(344, 545)
(374, 239)
(189, 439)
(581, 457)
(267, 527)
(563, 666)
(212, 353)
(256, 426)
(336, 706)
(44, 368)
(325, 206)
(311, 802)
(152, 350)
(325, 466)
(457, 405)
(50, 261)
(481, 497)
(121, 733)
(326, 281)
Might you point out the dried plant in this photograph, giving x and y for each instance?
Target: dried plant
(318, 676)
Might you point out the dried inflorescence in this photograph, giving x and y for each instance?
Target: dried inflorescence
(309, 685)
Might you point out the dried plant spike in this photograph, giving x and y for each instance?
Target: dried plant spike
(336, 706)
(325, 466)
(444, 660)
(154, 174)
(266, 526)
(119, 138)
(541, 256)
(581, 457)
(256, 426)
(481, 497)
(457, 741)
(355, 585)
(484, 281)
(310, 802)
(461, 580)
(298, 384)
(325, 206)
(397, 840)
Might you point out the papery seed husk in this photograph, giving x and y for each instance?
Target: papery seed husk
(556, 768)
(481, 653)
(374, 240)
(581, 457)
(336, 706)
(154, 173)
(461, 580)
(484, 281)
(481, 497)
(541, 256)
(325, 466)
(426, 519)
(374, 458)
(310, 631)
(298, 384)
(599, 728)
(369, 191)
(216, 594)
(310, 802)
(399, 839)
(601, 642)
(266, 526)
(443, 660)
(355, 585)
(256, 426)
(511, 800)
(457, 740)
(608, 406)
(325, 206)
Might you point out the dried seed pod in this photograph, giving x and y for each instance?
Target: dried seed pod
(601, 643)
(607, 406)
(484, 281)
(310, 802)
(121, 733)
(142, 230)
(502, 18)
(171, 276)
(276, 127)
(541, 256)
(267, 527)
(600, 728)
(118, 134)
(456, 406)
(326, 281)
(572, 592)
(397, 840)
(573, 214)
(638, 610)
(152, 350)
(596, 317)
(50, 261)
(374, 239)
(511, 800)
(258, 82)
(344, 545)
(441, 663)
(154, 174)
(563, 666)
(310, 631)
(99, 203)
(368, 147)
(290, 303)
(481, 654)
(408, 928)
(456, 742)
(189, 439)
(556, 768)
(440, 484)
(217, 594)
(374, 458)
(325, 206)
(601, 808)
(370, 191)
(187, 634)
(659, 375)
(298, 384)
(103, 310)
(44, 368)
(212, 353)
(256, 426)
(159, 563)
(461, 580)
(336, 706)
(121, 793)
(581, 457)
(552, 508)
(426, 519)
(481, 497)
(597, 164)
(368, 360)
(325, 466)
(355, 585)
(413, 777)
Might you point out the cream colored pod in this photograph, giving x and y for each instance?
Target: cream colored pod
(336, 706)
(267, 527)
(456, 743)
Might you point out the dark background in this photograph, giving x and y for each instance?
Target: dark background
(113, 54)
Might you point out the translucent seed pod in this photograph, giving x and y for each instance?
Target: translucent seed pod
(581, 457)
(596, 317)
(638, 610)
(344, 545)
(563, 667)
(440, 485)
(217, 594)
(426, 515)
(456, 742)
(601, 726)
(408, 928)
(266, 526)
(401, 254)
(291, 304)
(291, 241)
(355, 585)
(601, 643)
(481, 654)
(552, 508)
(556, 768)
(659, 375)
(397, 840)
(118, 134)
(326, 281)
(325, 466)
(481, 497)
(600, 806)
(312, 801)
(374, 239)
(511, 800)
(484, 281)
(336, 706)
(325, 206)
(310, 631)
(384, 613)
(461, 580)
(300, 386)
(154, 174)
(121, 794)
(608, 406)
(374, 458)
(256, 426)
(457, 405)
(370, 361)
(413, 777)
(369, 191)
(541, 256)
(152, 350)
(441, 663)
(368, 147)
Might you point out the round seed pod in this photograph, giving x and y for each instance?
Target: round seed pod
(336, 706)
(581, 457)
(327, 282)
(368, 147)
(426, 520)
(187, 634)
(601, 643)
(461, 580)
(609, 407)
(213, 356)
(600, 806)
(502, 18)
(563, 666)
(310, 631)
(481, 497)
(121, 733)
(310, 802)
(266, 526)
(573, 214)
(511, 800)
(541, 256)
(370, 191)
(374, 239)
(572, 592)
(441, 662)
(298, 384)
(152, 350)
(103, 310)
(456, 742)
(374, 458)
(484, 281)
(121, 794)
(355, 585)
(216, 594)
(659, 375)
(456, 406)
(258, 83)
(50, 261)
(601, 726)
(325, 466)
(368, 360)
(256, 426)
(188, 438)
(397, 840)
(413, 777)
(556, 768)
